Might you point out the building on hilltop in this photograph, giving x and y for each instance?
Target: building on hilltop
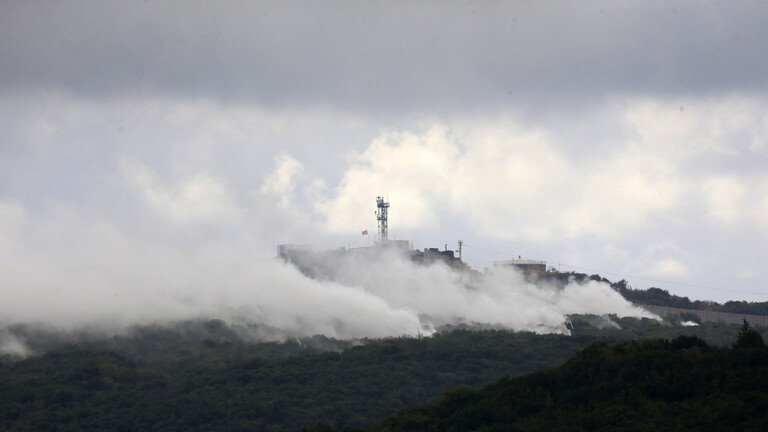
(523, 265)
(433, 255)
(400, 244)
(318, 264)
(289, 250)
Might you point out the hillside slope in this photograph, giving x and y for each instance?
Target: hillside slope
(653, 385)
(201, 376)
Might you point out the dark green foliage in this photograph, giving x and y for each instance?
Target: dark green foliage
(753, 308)
(656, 296)
(748, 337)
(202, 376)
(215, 384)
(662, 297)
(193, 339)
(678, 385)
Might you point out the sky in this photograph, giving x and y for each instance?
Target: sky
(155, 144)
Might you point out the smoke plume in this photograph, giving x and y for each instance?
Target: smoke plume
(342, 294)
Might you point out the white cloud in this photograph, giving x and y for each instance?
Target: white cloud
(669, 267)
(660, 260)
(505, 180)
(508, 180)
(565, 134)
(198, 198)
(516, 181)
(618, 194)
(748, 274)
(725, 198)
(683, 128)
(12, 217)
(282, 181)
(413, 169)
(10, 345)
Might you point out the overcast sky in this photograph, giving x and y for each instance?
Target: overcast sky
(628, 139)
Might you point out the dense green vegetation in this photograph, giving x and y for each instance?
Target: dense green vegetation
(677, 385)
(661, 297)
(204, 376)
(218, 387)
(208, 375)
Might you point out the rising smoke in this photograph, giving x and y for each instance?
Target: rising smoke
(439, 296)
(346, 295)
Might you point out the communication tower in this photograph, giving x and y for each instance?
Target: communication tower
(381, 216)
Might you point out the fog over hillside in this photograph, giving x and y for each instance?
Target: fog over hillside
(152, 154)
(371, 295)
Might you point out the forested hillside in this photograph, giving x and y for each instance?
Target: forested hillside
(677, 385)
(661, 297)
(224, 387)
(200, 376)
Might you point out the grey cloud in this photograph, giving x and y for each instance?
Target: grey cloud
(416, 56)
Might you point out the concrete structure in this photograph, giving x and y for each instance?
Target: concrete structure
(400, 244)
(433, 255)
(315, 263)
(285, 250)
(524, 265)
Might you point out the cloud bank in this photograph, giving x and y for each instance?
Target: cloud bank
(162, 148)
(365, 296)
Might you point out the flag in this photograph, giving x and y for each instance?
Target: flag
(365, 232)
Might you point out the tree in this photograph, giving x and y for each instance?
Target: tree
(748, 337)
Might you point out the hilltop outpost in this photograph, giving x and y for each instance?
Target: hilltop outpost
(303, 254)
(307, 260)
(658, 301)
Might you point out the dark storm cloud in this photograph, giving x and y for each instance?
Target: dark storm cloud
(383, 56)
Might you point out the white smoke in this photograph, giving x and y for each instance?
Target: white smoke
(10, 345)
(75, 273)
(359, 295)
(440, 296)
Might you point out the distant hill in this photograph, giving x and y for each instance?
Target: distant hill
(660, 297)
(680, 385)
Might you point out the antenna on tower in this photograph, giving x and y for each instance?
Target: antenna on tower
(461, 242)
(381, 216)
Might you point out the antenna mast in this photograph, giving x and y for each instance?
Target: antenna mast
(381, 216)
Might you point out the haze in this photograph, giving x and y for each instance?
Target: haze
(161, 150)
